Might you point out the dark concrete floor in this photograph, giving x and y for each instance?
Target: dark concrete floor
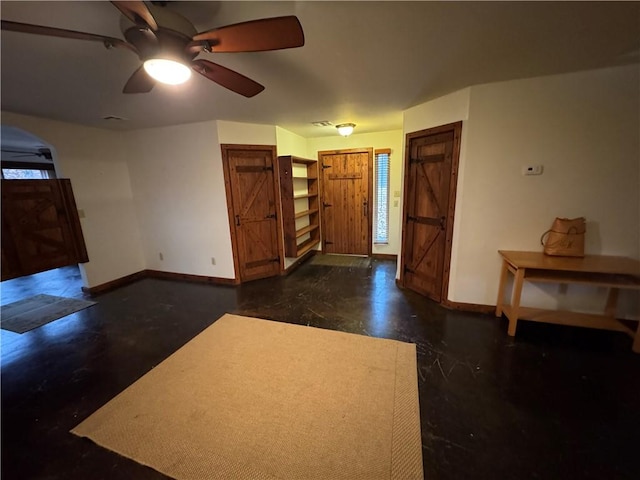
(555, 403)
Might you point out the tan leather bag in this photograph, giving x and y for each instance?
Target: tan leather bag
(565, 238)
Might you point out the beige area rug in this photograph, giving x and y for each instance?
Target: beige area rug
(256, 399)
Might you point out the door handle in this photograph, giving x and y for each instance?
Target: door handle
(365, 209)
(442, 220)
(237, 220)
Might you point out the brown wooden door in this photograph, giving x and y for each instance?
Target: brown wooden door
(430, 180)
(40, 227)
(346, 200)
(251, 199)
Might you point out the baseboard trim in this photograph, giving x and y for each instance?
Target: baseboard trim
(463, 307)
(134, 277)
(187, 277)
(385, 256)
(469, 307)
(113, 284)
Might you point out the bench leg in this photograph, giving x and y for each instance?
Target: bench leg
(503, 281)
(610, 311)
(515, 301)
(612, 303)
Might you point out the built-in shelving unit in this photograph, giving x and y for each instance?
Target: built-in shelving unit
(300, 204)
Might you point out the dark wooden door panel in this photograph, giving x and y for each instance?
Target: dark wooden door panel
(251, 194)
(40, 227)
(430, 174)
(346, 200)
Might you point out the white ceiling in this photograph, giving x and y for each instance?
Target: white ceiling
(363, 62)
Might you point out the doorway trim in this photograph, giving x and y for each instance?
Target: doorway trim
(369, 152)
(225, 148)
(456, 128)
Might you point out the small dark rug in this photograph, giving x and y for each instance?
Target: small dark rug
(33, 312)
(341, 261)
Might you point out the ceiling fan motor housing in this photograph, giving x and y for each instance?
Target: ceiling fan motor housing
(169, 41)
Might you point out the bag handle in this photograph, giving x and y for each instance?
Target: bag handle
(544, 235)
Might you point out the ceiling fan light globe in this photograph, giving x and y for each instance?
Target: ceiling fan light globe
(167, 71)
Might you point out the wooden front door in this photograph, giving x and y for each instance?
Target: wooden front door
(40, 227)
(251, 200)
(346, 200)
(431, 172)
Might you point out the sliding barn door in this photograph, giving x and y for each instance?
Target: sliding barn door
(430, 181)
(346, 199)
(251, 199)
(40, 227)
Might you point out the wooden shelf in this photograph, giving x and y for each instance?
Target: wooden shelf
(294, 159)
(305, 230)
(288, 201)
(306, 213)
(307, 245)
(306, 195)
(300, 177)
(574, 319)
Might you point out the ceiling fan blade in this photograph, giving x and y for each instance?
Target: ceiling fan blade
(234, 81)
(256, 35)
(59, 32)
(139, 82)
(138, 13)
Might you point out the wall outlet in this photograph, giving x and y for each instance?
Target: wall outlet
(213, 261)
(161, 256)
(532, 170)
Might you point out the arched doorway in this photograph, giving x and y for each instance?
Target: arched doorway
(40, 225)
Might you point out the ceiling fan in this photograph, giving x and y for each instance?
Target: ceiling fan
(168, 44)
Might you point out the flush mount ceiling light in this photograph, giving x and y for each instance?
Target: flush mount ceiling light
(345, 129)
(167, 71)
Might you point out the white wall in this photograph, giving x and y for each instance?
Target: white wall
(392, 139)
(441, 111)
(94, 160)
(288, 143)
(246, 133)
(584, 128)
(180, 198)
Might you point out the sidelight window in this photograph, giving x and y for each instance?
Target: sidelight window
(381, 220)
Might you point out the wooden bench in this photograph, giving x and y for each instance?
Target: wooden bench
(605, 271)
